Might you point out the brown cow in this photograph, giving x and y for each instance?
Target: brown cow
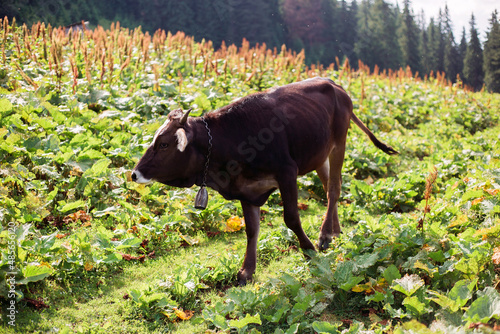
(258, 144)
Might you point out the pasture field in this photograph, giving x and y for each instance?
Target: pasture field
(85, 250)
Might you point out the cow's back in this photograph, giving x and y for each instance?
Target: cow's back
(299, 118)
(315, 107)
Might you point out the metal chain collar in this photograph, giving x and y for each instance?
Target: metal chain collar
(204, 184)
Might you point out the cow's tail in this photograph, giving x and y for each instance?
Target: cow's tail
(386, 148)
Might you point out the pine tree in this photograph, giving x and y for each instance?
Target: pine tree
(378, 43)
(385, 31)
(462, 49)
(306, 26)
(10, 9)
(327, 49)
(492, 56)
(353, 23)
(433, 41)
(214, 29)
(347, 32)
(452, 62)
(473, 63)
(439, 43)
(408, 40)
(252, 20)
(425, 53)
(365, 44)
(171, 16)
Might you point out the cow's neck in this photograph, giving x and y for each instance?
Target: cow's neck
(209, 152)
(201, 199)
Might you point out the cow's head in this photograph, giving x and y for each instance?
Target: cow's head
(170, 159)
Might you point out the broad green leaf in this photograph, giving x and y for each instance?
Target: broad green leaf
(343, 271)
(127, 243)
(103, 241)
(5, 105)
(408, 284)
(447, 267)
(293, 329)
(110, 114)
(472, 194)
(444, 301)
(202, 102)
(395, 313)
(391, 273)
(98, 169)
(135, 295)
(344, 276)
(240, 323)
(22, 231)
(438, 256)
(351, 282)
(46, 242)
(414, 326)
(52, 195)
(90, 154)
(490, 206)
(112, 258)
(191, 285)
(106, 211)
(220, 321)
(325, 327)
(99, 94)
(292, 284)
(277, 314)
(462, 291)
(486, 307)
(169, 90)
(414, 305)
(319, 308)
(468, 265)
(51, 143)
(46, 123)
(33, 273)
(376, 297)
(71, 206)
(3, 132)
(366, 260)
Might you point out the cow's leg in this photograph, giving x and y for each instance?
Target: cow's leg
(252, 225)
(331, 226)
(289, 194)
(323, 173)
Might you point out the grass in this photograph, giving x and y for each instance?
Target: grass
(98, 302)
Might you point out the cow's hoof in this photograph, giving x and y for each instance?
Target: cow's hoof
(325, 241)
(243, 277)
(324, 244)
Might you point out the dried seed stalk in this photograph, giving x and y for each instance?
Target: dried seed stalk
(429, 182)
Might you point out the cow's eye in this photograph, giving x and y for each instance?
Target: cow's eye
(163, 146)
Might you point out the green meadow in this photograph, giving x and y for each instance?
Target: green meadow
(86, 250)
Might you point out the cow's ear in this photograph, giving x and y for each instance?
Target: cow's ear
(182, 139)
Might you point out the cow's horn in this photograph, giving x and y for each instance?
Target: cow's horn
(185, 117)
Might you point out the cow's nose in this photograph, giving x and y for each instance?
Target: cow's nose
(134, 176)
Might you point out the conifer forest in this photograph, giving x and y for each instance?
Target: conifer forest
(374, 32)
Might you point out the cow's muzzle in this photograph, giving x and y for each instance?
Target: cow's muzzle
(139, 178)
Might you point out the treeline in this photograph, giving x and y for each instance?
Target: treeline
(372, 31)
